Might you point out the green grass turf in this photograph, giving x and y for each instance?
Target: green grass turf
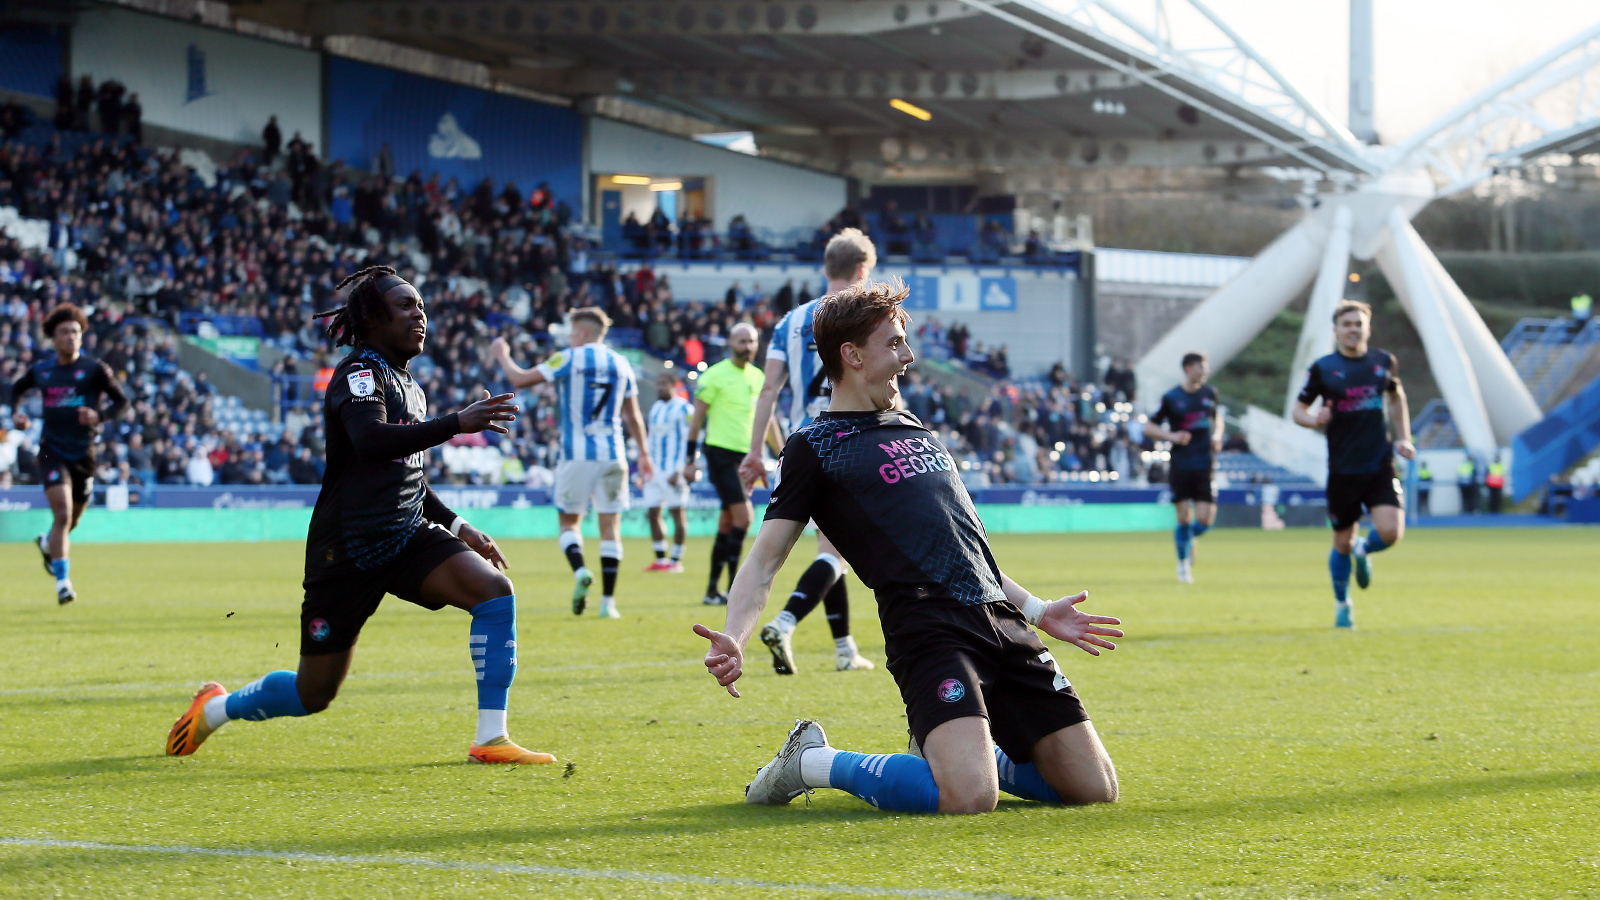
(1450, 746)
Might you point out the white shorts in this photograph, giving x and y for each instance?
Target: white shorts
(659, 492)
(600, 482)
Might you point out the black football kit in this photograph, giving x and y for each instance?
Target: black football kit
(377, 527)
(1360, 454)
(889, 496)
(1189, 474)
(66, 447)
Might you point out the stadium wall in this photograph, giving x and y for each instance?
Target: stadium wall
(32, 59)
(454, 130)
(207, 525)
(770, 194)
(200, 80)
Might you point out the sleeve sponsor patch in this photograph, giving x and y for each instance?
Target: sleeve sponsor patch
(362, 384)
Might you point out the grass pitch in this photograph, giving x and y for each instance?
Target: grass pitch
(1450, 746)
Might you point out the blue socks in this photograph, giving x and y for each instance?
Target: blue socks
(268, 697)
(1199, 528)
(60, 568)
(898, 782)
(1375, 543)
(1181, 536)
(493, 640)
(1339, 568)
(1023, 780)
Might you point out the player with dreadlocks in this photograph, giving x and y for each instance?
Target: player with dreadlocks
(379, 529)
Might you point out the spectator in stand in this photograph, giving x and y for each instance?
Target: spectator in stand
(133, 119)
(1121, 384)
(109, 100)
(272, 142)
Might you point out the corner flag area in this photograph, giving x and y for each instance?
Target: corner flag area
(1448, 746)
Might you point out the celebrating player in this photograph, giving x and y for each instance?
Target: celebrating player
(378, 528)
(847, 260)
(1190, 411)
(669, 435)
(71, 384)
(724, 402)
(598, 398)
(970, 671)
(1362, 400)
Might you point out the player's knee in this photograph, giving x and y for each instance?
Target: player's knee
(1393, 535)
(968, 801)
(498, 585)
(316, 698)
(1100, 787)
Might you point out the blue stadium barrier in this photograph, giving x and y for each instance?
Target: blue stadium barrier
(1560, 440)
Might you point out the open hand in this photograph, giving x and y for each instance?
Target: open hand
(487, 414)
(484, 545)
(724, 659)
(1064, 621)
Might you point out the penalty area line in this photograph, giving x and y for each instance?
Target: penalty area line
(418, 862)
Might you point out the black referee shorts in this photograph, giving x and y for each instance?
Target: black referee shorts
(953, 661)
(1349, 494)
(722, 470)
(340, 600)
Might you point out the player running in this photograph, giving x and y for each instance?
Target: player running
(70, 385)
(1362, 400)
(724, 402)
(598, 399)
(668, 421)
(971, 673)
(378, 528)
(792, 356)
(1190, 412)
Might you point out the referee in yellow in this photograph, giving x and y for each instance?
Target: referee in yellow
(725, 404)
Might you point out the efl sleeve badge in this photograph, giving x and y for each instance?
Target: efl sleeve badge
(362, 383)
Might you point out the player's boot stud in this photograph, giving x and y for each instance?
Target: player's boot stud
(501, 750)
(781, 643)
(779, 781)
(191, 730)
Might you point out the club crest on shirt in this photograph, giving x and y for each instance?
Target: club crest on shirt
(362, 384)
(554, 359)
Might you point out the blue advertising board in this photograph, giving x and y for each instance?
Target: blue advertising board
(454, 130)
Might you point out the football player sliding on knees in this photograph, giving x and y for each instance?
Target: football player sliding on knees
(379, 529)
(988, 708)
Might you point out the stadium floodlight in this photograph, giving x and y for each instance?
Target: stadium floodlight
(1550, 105)
(667, 186)
(912, 110)
(630, 179)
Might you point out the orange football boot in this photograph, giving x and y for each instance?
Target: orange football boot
(191, 730)
(502, 750)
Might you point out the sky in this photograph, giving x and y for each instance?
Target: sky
(1430, 54)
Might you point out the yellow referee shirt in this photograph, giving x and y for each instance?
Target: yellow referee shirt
(729, 394)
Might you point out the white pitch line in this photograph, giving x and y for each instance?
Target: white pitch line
(853, 890)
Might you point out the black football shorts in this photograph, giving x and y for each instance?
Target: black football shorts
(1191, 485)
(57, 470)
(953, 661)
(722, 470)
(340, 600)
(1349, 494)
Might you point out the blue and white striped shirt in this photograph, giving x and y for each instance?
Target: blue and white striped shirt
(591, 382)
(669, 433)
(794, 342)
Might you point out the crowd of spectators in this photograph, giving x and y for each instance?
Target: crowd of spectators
(257, 245)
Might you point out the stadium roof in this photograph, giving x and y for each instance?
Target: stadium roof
(887, 89)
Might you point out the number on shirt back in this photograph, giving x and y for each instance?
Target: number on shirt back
(604, 401)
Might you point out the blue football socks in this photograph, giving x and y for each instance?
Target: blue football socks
(1339, 568)
(1023, 780)
(61, 568)
(268, 697)
(493, 640)
(1199, 528)
(1374, 542)
(898, 782)
(1181, 536)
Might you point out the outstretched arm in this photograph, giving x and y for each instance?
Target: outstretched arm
(373, 436)
(751, 469)
(1061, 619)
(517, 375)
(748, 596)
